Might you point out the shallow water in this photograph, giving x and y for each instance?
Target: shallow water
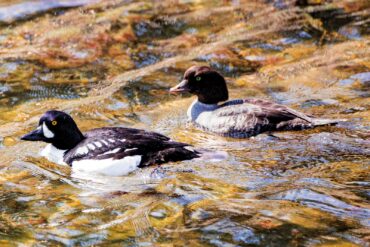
(111, 63)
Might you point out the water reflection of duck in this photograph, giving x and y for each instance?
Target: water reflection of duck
(238, 118)
(111, 151)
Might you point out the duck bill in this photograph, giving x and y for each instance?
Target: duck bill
(180, 88)
(36, 135)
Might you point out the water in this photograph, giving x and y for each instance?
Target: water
(111, 63)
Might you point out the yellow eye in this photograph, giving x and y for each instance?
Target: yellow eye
(54, 122)
(198, 78)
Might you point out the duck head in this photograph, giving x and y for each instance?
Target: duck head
(57, 128)
(204, 82)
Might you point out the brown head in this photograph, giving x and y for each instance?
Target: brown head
(204, 82)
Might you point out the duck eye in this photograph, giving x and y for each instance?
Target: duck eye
(54, 123)
(198, 78)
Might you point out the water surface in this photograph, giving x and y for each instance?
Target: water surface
(110, 63)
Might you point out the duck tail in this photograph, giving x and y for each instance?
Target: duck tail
(323, 121)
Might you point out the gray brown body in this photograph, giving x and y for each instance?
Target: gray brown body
(250, 117)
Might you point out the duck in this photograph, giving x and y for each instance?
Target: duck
(238, 118)
(111, 151)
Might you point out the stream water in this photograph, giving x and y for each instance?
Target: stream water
(111, 63)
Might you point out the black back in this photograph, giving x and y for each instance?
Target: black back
(118, 143)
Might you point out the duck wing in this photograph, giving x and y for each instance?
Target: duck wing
(276, 112)
(249, 117)
(288, 117)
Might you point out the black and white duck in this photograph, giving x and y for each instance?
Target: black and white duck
(112, 151)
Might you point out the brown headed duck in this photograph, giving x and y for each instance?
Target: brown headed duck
(239, 118)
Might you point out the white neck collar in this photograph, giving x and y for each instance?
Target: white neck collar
(198, 108)
(206, 106)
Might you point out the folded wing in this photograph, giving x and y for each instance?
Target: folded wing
(252, 116)
(119, 143)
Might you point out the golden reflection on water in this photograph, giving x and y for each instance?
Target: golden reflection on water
(111, 63)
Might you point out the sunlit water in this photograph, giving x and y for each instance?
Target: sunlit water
(111, 63)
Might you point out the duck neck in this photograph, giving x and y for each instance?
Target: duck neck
(198, 107)
(71, 138)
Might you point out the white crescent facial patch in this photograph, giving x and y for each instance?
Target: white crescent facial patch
(46, 131)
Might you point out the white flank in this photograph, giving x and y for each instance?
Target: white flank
(46, 131)
(205, 119)
(53, 154)
(106, 143)
(123, 140)
(91, 146)
(108, 167)
(111, 151)
(82, 150)
(112, 140)
(98, 144)
(130, 149)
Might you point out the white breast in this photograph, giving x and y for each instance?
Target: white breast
(108, 167)
(53, 154)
